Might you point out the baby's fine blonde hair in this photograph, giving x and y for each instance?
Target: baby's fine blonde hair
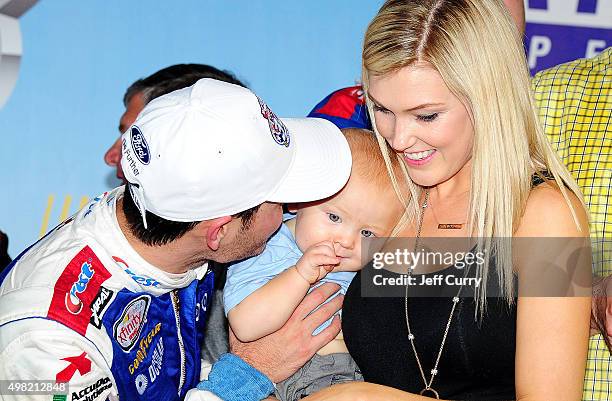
(368, 159)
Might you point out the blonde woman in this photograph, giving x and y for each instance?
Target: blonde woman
(448, 92)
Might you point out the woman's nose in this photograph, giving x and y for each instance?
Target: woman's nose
(403, 137)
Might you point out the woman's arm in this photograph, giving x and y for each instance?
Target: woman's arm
(552, 328)
(362, 391)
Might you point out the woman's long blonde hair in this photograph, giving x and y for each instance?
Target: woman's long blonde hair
(478, 51)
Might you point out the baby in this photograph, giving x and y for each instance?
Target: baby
(322, 244)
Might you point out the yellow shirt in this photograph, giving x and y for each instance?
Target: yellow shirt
(575, 104)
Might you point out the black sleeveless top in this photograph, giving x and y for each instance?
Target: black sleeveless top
(477, 362)
(478, 358)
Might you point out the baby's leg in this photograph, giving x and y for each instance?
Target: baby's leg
(335, 346)
(320, 372)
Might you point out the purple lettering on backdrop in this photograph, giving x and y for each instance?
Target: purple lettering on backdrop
(587, 6)
(538, 4)
(566, 42)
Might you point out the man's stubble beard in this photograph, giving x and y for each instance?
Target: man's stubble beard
(244, 246)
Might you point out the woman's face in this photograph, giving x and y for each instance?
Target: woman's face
(423, 121)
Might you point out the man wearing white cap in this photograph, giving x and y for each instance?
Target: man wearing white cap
(113, 301)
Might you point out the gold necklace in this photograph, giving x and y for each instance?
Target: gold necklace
(445, 226)
(428, 389)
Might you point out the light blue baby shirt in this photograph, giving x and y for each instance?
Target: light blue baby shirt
(281, 253)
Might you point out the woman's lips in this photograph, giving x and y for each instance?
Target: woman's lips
(419, 158)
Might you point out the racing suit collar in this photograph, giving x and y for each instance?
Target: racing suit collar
(142, 272)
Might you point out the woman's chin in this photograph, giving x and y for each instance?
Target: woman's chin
(423, 180)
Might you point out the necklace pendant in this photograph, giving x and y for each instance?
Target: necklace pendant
(450, 226)
(428, 391)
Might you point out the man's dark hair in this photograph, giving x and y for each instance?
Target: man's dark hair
(176, 77)
(161, 231)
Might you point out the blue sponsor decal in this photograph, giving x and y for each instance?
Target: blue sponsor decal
(140, 146)
(142, 280)
(94, 202)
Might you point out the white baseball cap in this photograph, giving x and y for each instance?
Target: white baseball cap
(215, 149)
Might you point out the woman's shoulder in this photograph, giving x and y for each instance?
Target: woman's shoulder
(549, 214)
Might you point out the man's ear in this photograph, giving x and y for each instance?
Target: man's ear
(215, 231)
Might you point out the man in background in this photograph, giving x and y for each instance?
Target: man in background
(574, 102)
(144, 90)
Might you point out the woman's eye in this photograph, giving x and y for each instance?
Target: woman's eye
(428, 117)
(380, 109)
(367, 233)
(333, 217)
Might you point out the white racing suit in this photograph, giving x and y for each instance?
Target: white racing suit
(81, 306)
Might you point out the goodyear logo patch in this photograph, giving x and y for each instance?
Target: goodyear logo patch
(143, 348)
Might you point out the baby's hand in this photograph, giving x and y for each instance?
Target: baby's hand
(317, 261)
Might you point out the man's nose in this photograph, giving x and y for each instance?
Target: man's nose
(112, 157)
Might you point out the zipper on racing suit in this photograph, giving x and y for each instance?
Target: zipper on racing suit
(175, 303)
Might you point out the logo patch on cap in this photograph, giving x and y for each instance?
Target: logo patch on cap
(279, 131)
(140, 146)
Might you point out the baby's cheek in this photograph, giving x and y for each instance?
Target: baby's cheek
(305, 238)
(322, 233)
(301, 240)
